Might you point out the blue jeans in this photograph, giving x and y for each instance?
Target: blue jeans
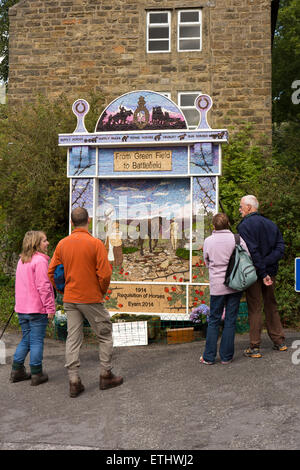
(231, 303)
(33, 326)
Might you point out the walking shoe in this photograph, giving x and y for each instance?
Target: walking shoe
(39, 378)
(109, 380)
(253, 352)
(226, 362)
(76, 388)
(202, 361)
(19, 375)
(280, 347)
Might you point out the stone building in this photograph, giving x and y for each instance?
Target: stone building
(181, 48)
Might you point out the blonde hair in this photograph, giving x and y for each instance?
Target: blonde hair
(31, 244)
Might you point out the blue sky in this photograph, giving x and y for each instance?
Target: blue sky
(144, 199)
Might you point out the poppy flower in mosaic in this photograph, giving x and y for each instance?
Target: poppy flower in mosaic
(166, 289)
(174, 289)
(120, 305)
(169, 298)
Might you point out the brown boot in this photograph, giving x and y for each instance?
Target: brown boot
(19, 375)
(40, 378)
(109, 380)
(76, 388)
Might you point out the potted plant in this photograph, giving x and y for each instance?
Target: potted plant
(60, 323)
(199, 316)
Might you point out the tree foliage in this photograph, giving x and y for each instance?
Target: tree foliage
(246, 170)
(4, 37)
(242, 163)
(286, 62)
(34, 189)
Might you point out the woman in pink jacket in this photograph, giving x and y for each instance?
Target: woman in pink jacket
(34, 304)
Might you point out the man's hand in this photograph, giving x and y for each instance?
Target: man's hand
(267, 281)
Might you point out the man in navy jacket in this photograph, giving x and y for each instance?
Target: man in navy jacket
(266, 247)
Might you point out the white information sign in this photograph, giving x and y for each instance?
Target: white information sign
(130, 333)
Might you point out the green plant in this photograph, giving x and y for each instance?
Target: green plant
(129, 249)
(7, 303)
(183, 253)
(34, 189)
(278, 192)
(247, 170)
(243, 163)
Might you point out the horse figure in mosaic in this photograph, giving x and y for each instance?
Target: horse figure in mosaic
(121, 116)
(153, 228)
(150, 229)
(160, 118)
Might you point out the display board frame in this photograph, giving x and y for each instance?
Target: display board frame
(170, 296)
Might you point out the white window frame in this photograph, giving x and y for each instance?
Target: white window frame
(192, 23)
(167, 94)
(159, 25)
(181, 93)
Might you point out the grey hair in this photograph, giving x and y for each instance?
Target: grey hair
(251, 200)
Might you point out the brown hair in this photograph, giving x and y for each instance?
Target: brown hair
(220, 221)
(31, 244)
(79, 216)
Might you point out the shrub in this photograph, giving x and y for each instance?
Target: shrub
(34, 189)
(246, 170)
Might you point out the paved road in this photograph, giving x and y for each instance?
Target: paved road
(168, 401)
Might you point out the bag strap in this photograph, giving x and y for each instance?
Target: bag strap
(237, 238)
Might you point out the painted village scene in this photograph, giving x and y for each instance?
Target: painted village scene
(146, 225)
(152, 220)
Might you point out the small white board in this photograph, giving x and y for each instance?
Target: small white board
(130, 333)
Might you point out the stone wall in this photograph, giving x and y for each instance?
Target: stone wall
(75, 46)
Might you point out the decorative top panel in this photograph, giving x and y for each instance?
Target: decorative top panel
(141, 110)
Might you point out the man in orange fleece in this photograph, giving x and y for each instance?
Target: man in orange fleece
(87, 276)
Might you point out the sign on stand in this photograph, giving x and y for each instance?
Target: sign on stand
(297, 274)
(130, 333)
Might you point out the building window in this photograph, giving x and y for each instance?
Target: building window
(189, 30)
(166, 93)
(158, 31)
(186, 102)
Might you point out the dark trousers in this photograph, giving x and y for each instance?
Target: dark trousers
(231, 303)
(260, 296)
